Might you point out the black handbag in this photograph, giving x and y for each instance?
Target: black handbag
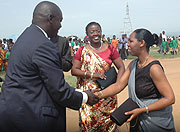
(111, 76)
(118, 116)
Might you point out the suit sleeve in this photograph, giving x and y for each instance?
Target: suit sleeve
(66, 56)
(47, 61)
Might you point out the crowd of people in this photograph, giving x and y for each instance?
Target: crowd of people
(168, 44)
(5, 50)
(35, 95)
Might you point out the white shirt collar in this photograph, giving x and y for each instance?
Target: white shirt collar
(42, 31)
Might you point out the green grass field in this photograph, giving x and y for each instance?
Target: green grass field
(71, 80)
(155, 54)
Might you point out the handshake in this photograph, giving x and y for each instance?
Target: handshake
(92, 96)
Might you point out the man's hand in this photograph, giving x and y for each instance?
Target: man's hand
(92, 98)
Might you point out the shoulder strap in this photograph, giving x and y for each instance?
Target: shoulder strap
(156, 62)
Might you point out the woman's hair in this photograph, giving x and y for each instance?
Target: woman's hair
(144, 34)
(91, 23)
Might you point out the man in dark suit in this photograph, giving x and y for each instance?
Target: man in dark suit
(35, 95)
(64, 51)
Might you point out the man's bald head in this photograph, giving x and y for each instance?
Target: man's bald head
(44, 11)
(48, 16)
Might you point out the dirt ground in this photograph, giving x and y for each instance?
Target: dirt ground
(172, 71)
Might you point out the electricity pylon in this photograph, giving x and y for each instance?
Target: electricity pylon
(127, 22)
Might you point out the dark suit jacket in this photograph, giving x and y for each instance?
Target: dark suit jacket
(64, 51)
(35, 94)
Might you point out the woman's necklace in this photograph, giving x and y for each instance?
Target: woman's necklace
(142, 65)
(95, 48)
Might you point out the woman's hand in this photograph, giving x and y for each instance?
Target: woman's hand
(98, 92)
(95, 90)
(134, 113)
(99, 75)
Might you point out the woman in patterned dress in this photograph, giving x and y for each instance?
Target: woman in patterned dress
(90, 63)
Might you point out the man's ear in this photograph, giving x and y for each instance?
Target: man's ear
(142, 43)
(50, 18)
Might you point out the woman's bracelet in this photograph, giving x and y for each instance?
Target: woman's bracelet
(92, 74)
(147, 109)
(85, 73)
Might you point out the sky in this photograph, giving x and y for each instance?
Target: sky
(154, 15)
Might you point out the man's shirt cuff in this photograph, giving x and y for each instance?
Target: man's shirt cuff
(85, 96)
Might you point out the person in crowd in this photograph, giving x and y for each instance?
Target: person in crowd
(73, 44)
(170, 46)
(164, 35)
(81, 42)
(178, 40)
(76, 47)
(86, 39)
(174, 45)
(11, 42)
(35, 95)
(3, 52)
(148, 87)
(0, 49)
(164, 46)
(64, 50)
(122, 47)
(156, 38)
(126, 37)
(109, 40)
(4, 41)
(114, 42)
(7, 57)
(1, 62)
(160, 43)
(0, 42)
(90, 63)
(71, 49)
(104, 39)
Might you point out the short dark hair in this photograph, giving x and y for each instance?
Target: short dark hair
(146, 35)
(92, 23)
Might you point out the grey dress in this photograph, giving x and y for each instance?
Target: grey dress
(156, 121)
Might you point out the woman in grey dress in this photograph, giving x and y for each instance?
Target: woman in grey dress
(148, 87)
